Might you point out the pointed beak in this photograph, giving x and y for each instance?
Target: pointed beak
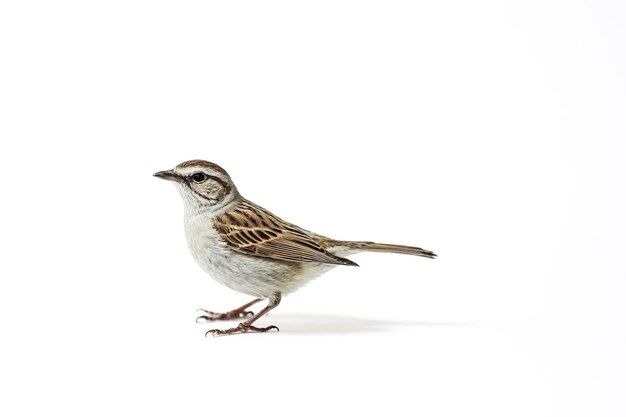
(167, 175)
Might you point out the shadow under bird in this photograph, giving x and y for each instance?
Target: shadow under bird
(249, 249)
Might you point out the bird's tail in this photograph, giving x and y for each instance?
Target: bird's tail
(383, 247)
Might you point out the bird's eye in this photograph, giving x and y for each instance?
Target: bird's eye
(198, 177)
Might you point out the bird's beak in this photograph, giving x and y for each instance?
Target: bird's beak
(167, 175)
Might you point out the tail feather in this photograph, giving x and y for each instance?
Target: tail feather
(383, 247)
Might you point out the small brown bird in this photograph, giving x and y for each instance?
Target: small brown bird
(250, 250)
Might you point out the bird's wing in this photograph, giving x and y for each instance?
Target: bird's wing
(252, 230)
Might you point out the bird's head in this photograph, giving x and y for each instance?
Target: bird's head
(204, 186)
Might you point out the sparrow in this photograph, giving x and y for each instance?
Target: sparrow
(250, 250)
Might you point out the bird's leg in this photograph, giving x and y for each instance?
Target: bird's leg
(247, 326)
(238, 313)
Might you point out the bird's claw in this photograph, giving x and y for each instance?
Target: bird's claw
(231, 315)
(242, 328)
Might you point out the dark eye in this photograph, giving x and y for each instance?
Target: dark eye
(198, 177)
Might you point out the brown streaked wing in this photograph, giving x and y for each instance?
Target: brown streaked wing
(252, 230)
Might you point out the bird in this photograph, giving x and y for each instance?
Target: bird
(250, 250)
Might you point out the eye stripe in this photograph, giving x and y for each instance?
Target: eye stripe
(218, 180)
(221, 182)
(226, 187)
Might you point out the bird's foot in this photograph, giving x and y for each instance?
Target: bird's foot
(231, 315)
(242, 328)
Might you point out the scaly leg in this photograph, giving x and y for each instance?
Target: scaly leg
(238, 313)
(247, 326)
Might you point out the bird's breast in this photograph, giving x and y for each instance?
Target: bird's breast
(205, 244)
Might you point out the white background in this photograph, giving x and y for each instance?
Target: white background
(490, 132)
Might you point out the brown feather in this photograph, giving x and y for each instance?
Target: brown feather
(382, 247)
(252, 230)
(198, 163)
